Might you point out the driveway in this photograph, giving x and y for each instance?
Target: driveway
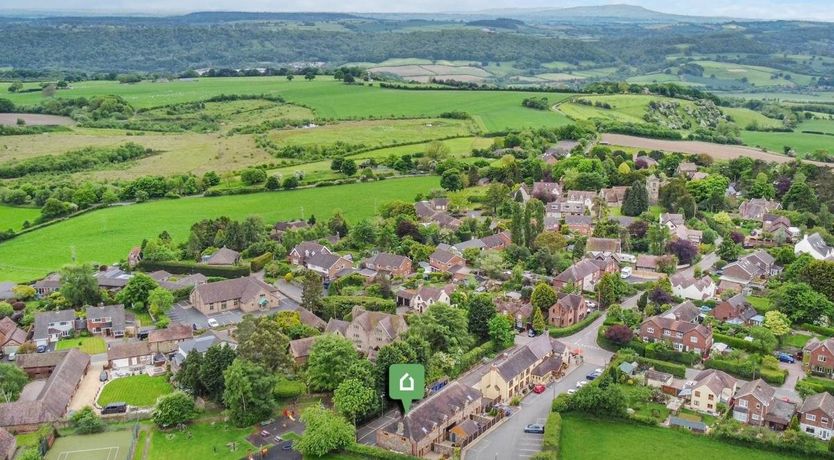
(88, 388)
(787, 390)
(508, 439)
(290, 290)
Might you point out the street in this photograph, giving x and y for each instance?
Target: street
(508, 440)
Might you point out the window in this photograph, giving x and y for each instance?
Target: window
(697, 394)
(711, 397)
(697, 403)
(742, 403)
(811, 417)
(709, 406)
(211, 307)
(756, 417)
(666, 332)
(679, 335)
(222, 305)
(821, 358)
(693, 339)
(758, 406)
(824, 420)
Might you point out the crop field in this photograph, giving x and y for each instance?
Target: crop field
(12, 217)
(107, 235)
(627, 441)
(375, 133)
(425, 72)
(493, 110)
(800, 142)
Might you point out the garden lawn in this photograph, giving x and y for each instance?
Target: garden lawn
(105, 236)
(200, 441)
(797, 340)
(760, 304)
(13, 217)
(595, 439)
(135, 390)
(89, 345)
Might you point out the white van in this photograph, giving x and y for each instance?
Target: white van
(625, 272)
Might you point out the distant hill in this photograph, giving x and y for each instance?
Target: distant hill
(620, 12)
(500, 23)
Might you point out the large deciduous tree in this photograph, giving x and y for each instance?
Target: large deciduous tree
(78, 285)
(136, 292)
(354, 399)
(501, 331)
(173, 408)
(324, 432)
(248, 392)
(543, 297)
(331, 357)
(265, 345)
(802, 304)
(481, 310)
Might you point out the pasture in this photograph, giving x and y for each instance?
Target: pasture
(136, 390)
(375, 133)
(12, 217)
(113, 445)
(330, 99)
(629, 441)
(106, 235)
(801, 142)
(755, 75)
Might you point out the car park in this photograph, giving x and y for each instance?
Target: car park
(534, 428)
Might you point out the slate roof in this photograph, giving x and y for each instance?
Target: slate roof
(174, 332)
(116, 313)
(434, 411)
(715, 380)
(52, 402)
(43, 319)
(578, 271)
(551, 364)
(819, 244)
(244, 288)
(223, 256)
(128, 350)
(685, 311)
(823, 401)
(325, 261)
(579, 220)
(201, 344)
(674, 219)
(386, 259)
(516, 363)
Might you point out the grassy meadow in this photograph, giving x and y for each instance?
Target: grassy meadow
(106, 236)
(12, 217)
(800, 142)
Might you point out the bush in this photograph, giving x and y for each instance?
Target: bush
(812, 385)
(173, 409)
(570, 330)
(678, 370)
(748, 370)
(552, 435)
(257, 263)
(338, 306)
(473, 356)
(366, 451)
(187, 268)
(821, 330)
(86, 421)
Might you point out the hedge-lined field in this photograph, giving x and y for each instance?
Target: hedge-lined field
(106, 236)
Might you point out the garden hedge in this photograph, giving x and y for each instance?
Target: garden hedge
(570, 330)
(377, 453)
(258, 263)
(678, 370)
(552, 436)
(735, 342)
(472, 356)
(812, 385)
(821, 330)
(187, 268)
(773, 377)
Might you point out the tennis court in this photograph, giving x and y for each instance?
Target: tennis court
(103, 446)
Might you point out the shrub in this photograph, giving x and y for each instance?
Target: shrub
(822, 330)
(366, 451)
(748, 370)
(187, 268)
(678, 370)
(472, 356)
(86, 421)
(619, 334)
(736, 342)
(552, 435)
(257, 263)
(173, 409)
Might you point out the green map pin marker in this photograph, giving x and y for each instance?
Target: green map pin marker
(406, 382)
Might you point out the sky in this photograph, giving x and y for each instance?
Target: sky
(755, 9)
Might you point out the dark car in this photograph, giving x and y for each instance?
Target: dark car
(786, 358)
(534, 428)
(114, 408)
(103, 376)
(593, 375)
(41, 349)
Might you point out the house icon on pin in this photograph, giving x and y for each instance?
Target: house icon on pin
(406, 382)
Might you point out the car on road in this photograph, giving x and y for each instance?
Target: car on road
(625, 272)
(581, 383)
(213, 323)
(596, 373)
(534, 428)
(786, 358)
(539, 388)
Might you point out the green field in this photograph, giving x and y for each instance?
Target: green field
(800, 142)
(755, 75)
(136, 390)
(13, 217)
(89, 345)
(106, 235)
(113, 445)
(823, 126)
(201, 441)
(493, 110)
(375, 133)
(592, 439)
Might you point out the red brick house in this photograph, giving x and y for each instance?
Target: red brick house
(755, 404)
(582, 225)
(567, 311)
(816, 416)
(682, 335)
(328, 265)
(818, 357)
(586, 273)
(394, 264)
(306, 249)
(443, 260)
(735, 309)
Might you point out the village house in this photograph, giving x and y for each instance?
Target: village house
(517, 309)
(546, 192)
(201, 344)
(756, 404)
(167, 340)
(780, 228)
(426, 296)
(111, 278)
(671, 220)
(648, 263)
(394, 264)
(111, 321)
(568, 310)
(816, 416)
(539, 361)
(684, 311)
(223, 256)
(818, 357)
(757, 208)
(40, 365)
(561, 149)
(581, 225)
(300, 349)
(329, 266)
(753, 268)
(133, 357)
(247, 294)
(11, 336)
(603, 246)
(429, 425)
(586, 273)
(443, 260)
(45, 286)
(686, 286)
(686, 168)
(737, 310)
(681, 335)
(281, 228)
(815, 246)
(304, 250)
(614, 196)
(711, 388)
(497, 241)
(564, 208)
(173, 282)
(52, 326)
(372, 330)
(586, 197)
(52, 401)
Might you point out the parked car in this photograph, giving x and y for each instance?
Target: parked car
(12, 356)
(538, 388)
(581, 383)
(596, 373)
(571, 391)
(534, 428)
(41, 349)
(625, 272)
(531, 333)
(213, 323)
(114, 408)
(103, 376)
(786, 358)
